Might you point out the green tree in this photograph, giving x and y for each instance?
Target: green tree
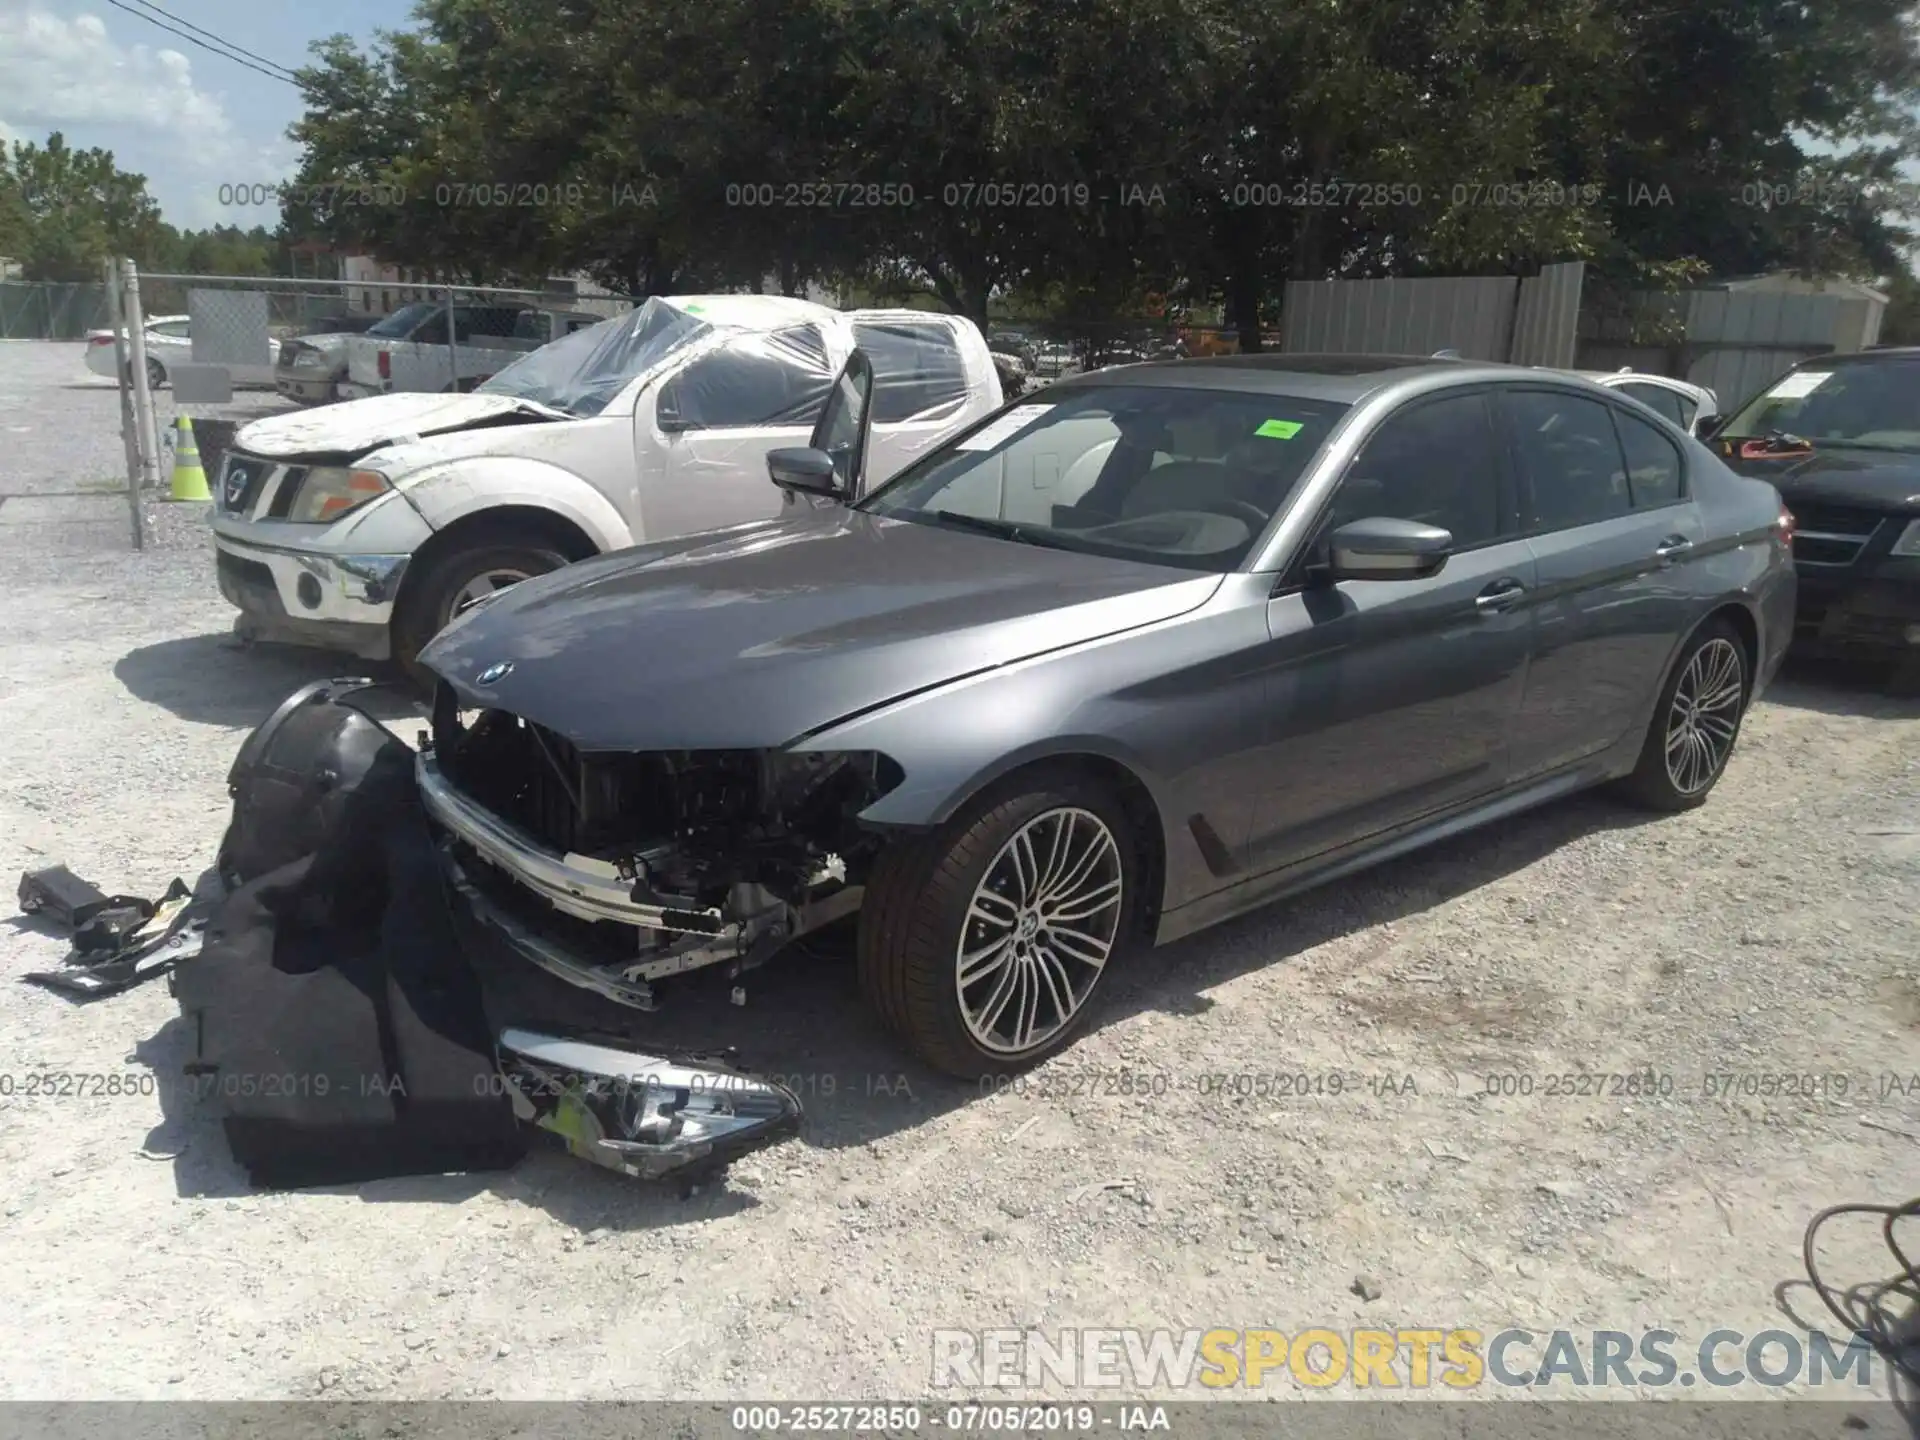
(64, 211)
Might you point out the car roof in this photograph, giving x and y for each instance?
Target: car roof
(750, 312)
(164, 319)
(1341, 378)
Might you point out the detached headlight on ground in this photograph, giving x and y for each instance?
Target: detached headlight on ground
(1909, 541)
(641, 1115)
(330, 491)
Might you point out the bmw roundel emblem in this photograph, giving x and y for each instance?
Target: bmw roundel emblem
(494, 673)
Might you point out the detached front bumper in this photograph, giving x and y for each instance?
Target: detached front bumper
(305, 597)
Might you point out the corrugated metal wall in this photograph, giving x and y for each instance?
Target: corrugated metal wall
(1484, 317)
(1546, 327)
(1735, 342)
(1471, 314)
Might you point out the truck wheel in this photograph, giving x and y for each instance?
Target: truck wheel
(981, 944)
(454, 581)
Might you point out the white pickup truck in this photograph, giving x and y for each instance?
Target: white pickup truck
(366, 526)
(407, 351)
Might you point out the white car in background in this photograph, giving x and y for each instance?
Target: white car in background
(365, 526)
(1687, 405)
(169, 343)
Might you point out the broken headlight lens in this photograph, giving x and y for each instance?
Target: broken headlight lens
(330, 491)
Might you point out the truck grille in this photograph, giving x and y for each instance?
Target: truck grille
(240, 482)
(1831, 534)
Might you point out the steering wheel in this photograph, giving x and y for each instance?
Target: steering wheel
(1244, 510)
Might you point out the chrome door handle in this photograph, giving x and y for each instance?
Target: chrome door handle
(1501, 595)
(1673, 547)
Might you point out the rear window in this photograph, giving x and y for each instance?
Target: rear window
(402, 321)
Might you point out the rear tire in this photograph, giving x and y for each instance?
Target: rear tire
(455, 580)
(982, 943)
(1695, 725)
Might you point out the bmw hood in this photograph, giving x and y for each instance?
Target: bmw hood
(357, 426)
(1834, 475)
(754, 637)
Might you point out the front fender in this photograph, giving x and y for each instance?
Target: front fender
(454, 489)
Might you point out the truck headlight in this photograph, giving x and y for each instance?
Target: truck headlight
(1909, 541)
(330, 491)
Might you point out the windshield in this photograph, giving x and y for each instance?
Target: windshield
(1870, 405)
(1178, 477)
(581, 373)
(402, 321)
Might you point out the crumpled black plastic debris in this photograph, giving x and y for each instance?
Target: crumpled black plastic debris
(118, 940)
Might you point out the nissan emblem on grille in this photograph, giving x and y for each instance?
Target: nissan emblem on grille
(499, 670)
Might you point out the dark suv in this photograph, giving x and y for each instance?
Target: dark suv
(1839, 437)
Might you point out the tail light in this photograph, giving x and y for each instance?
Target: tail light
(1783, 525)
(93, 340)
(386, 364)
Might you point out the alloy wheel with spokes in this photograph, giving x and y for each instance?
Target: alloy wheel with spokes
(1704, 716)
(983, 941)
(1040, 928)
(1695, 722)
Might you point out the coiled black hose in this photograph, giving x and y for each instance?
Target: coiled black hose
(1867, 1309)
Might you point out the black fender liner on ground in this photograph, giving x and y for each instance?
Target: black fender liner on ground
(336, 1024)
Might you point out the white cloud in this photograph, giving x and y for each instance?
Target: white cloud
(140, 101)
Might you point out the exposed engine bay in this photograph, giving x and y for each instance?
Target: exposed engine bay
(615, 870)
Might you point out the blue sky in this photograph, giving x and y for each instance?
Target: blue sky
(188, 120)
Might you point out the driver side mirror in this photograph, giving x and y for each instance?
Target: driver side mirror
(804, 469)
(1378, 548)
(1709, 426)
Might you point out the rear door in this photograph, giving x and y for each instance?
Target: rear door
(1605, 504)
(1391, 700)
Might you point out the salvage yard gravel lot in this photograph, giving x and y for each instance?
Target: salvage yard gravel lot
(1168, 1170)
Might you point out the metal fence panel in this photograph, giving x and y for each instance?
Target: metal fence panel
(1546, 326)
(1737, 373)
(229, 327)
(1471, 314)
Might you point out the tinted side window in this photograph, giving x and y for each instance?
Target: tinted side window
(1437, 463)
(1653, 462)
(781, 378)
(1571, 458)
(916, 368)
(172, 329)
(1657, 398)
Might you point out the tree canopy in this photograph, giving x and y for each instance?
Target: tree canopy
(64, 211)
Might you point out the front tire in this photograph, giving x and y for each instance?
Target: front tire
(1695, 725)
(982, 944)
(452, 582)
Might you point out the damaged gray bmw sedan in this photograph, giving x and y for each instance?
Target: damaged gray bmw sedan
(1151, 647)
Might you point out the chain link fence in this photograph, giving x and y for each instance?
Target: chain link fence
(50, 310)
(319, 340)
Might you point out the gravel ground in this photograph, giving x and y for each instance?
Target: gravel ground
(1770, 933)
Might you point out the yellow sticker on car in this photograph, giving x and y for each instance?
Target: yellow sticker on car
(1279, 429)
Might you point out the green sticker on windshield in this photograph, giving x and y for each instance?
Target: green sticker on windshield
(1279, 429)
